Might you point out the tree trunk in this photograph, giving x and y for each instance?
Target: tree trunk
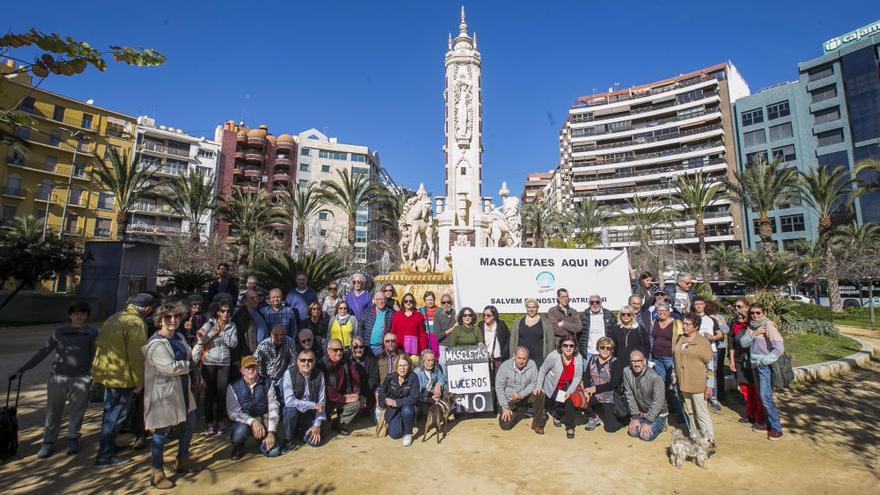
(700, 230)
(352, 232)
(243, 254)
(765, 232)
(833, 283)
(300, 235)
(870, 300)
(122, 218)
(14, 292)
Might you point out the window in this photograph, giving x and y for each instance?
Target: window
(9, 212)
(785, 153)
(360, 239)
(333, 155)
(17, 158)
(830, 137)
(302, 183)
(829, 115)
(820, 73)
(205, 154)
(40, 213)
(105, 201)
(355, 157)
(792, 223)
(361, 171)
(305, 152)
(756, 157)
(51, 162)
(13, 185)
(76, 196)
(71, 224)
(325, 169)
(757, 226)
(323, 232)
(789, 202)
(86, 121)
(303, 167)
(754, 138)
(778, 132)
(323, 215)
(859, 71)
(778, 110)
(23, 132)
(116, 129)
(44, 190)
(755, 116)
(27, 104)
(54, 138)
(102, 227)
(823, 94)
(59, 113)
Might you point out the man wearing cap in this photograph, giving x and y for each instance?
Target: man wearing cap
(659, 297)
(119, 366)
(252, 406)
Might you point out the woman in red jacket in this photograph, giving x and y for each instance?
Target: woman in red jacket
(409, 327)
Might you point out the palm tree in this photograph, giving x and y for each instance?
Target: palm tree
(127, 181)
(281, 270)
(28, 230)
(648, 219)
(193, 198)
(532, 222)
(868, 173)
(301, 203)
(860, 245)
(697, 193)
(764, 275)
(352, 192)
(557, 227)
(761, 186)
(588, 219)
(825, 190)
(250, 213)
(725, 258)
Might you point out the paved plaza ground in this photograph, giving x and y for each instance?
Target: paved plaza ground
(831, 444)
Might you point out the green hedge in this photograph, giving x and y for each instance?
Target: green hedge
(817, 327)
(813, 312)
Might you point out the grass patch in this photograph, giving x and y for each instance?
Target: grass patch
(808, 348)
(858, 317)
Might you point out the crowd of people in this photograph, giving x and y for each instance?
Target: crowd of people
(289, 368)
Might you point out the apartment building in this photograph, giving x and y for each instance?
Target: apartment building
(535, 185)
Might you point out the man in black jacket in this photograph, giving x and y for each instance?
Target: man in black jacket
(368, 370)
(224, 284)
(596, 322)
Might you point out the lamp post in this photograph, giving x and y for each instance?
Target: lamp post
(46, 216)
(75, 135)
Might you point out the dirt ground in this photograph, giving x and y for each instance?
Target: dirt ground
(831, 444)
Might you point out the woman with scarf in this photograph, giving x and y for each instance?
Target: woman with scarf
(429, 310)
(409, 327)
(765, 346)
(741, 367)
(465, 332)
(343, 325)
(212, 352)
(496, 335)
(602, 379)
(317, 321)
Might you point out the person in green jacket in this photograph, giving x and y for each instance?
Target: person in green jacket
(119, 367)
(466, 331)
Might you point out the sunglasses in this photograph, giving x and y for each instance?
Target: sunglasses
(387, 290)
(445, 303)
(307, 361)
(637, 361)
(595, 302)
(334, 349)
(568, 346)
(332, 288)
(605, 348)
(626, 314)
(756, 312)
(224, 310)
(305, 340)
(392, 341)
(488, 315)
(409, 301)
(358, 347)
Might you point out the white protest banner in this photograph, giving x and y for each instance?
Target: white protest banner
(467, 376)
(505, 277)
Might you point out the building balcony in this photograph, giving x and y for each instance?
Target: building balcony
(281, 177)
(239, 154)
(694, 134)
(641, 96)
(147, 229)
(253, 156)
(256, 141)
(163, 150)
(67, 121)
(652, 173)
(73, 230)
(241, 137)
(633, 160)
(284, 145)
(249, 188)
(628, 128)
(253, 172)
(283, 160)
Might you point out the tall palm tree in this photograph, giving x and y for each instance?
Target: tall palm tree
(127, 181)
(390, 209)
(725, 259)
(651, 224)
(532, 222)
(825, 190)
(697, 193)
(250, 213)
(352, 192)
(301, 203)
(193, 198)
(859, 243)
(808, 262)
(588, 219)
(868, 173)
(557, 226)
(760, 187)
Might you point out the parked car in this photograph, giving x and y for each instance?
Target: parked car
(799, 298)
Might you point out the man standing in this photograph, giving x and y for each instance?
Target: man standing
(304, 400)
(681, 295)
(444, 320)
(645, 397)
(276, 313)
(358, 298)
(252, 405)
(596, 323)
(301, 296)
(343, 388)
(565, 320)
(275, 354)
(515, 381)
(119, 367)
(249, 284)
(250, 328)
(642, 315)
(376, 323)
(224, 284)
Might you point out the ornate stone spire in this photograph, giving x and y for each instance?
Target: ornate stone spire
(450, 41)
(504, 191)
(462, 28)
(475, 40)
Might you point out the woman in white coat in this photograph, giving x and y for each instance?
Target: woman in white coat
(168, 397)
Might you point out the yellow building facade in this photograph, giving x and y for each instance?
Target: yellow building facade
(51, 179)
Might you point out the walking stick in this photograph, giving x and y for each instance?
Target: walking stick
(684, 414)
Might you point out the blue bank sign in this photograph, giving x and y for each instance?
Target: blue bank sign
(855, 35)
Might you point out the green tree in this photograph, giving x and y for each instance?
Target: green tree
(193, 198)
(533, 218)
(126, 181)
(861, 254)
(281, 270)
(352, 192)
(760, 187)
(764, 276)
(301, 203)
(867, 172)
(697, 193)
(808, 262)
(588, 218)
(725, 258)
(825, 190)
(389, 212)
(250, 213)
(186, 282)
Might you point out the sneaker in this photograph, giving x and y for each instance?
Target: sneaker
(745, 421)
(287, 447)
(538, 429)
(220, 428)
(569, 434)
(407, 440)
(759, 426)
(72, 446)
(715, 405)
(45, 451)
(113, 461)
(139, 443)
(773, 434)
(592, 424)
(557, 423)
(210, 430)
(344, 431)
(236, 454)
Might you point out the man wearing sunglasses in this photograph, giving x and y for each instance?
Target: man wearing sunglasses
(368, 370)
(596, 322)
(343, 388)
(681, 295)
(304, 402)
(444, 320)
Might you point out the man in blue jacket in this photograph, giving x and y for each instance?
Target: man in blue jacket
(681, 295)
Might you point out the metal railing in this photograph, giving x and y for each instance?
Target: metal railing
(650, 171)
(579, 148)
(603, 100)
(65, 120)
(13, 191)
(643, 125)
(632, 157)
(159, 148)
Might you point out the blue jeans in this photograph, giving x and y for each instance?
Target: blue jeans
(116, 402)
(240, 432)
(297, 423)
(160, 436)
(656, 428)
(400, 420)
(664, 367)
(765, 390)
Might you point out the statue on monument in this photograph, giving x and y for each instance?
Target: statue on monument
(504, 222)
(418, 232)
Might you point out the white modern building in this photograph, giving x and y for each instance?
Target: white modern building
(171, 152)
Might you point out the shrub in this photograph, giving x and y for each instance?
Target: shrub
(784, 312)
(817, 327)
(814, 311)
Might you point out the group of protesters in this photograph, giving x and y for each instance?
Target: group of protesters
(286, 368)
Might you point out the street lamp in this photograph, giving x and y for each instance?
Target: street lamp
(75, 135)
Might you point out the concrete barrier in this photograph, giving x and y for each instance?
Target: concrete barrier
(831, 369)
(42, 307)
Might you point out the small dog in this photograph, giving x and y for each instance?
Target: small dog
(438, 416)
(683, 447)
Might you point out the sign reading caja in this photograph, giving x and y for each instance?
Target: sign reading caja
(854, 35)
(506, 277)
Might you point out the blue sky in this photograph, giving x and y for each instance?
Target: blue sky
(371, 73)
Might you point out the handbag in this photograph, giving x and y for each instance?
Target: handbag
(781, 372)
(579, 399)
(621, 408)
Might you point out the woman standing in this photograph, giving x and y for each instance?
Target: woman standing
(534, 332)
(429, 310)
(465, 331)
(409, 327)
(663, 333)
(765, 347)
(558, 378)
(742, 368)
(318, 321)
(628, 335)
(168, 398)
(212, 353)
(343, 325)
(604, 376)
(693, 371)
(399, 396)
(331, 299)
(390, 294)
(496, 335)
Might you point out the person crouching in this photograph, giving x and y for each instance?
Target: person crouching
(252, 407)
